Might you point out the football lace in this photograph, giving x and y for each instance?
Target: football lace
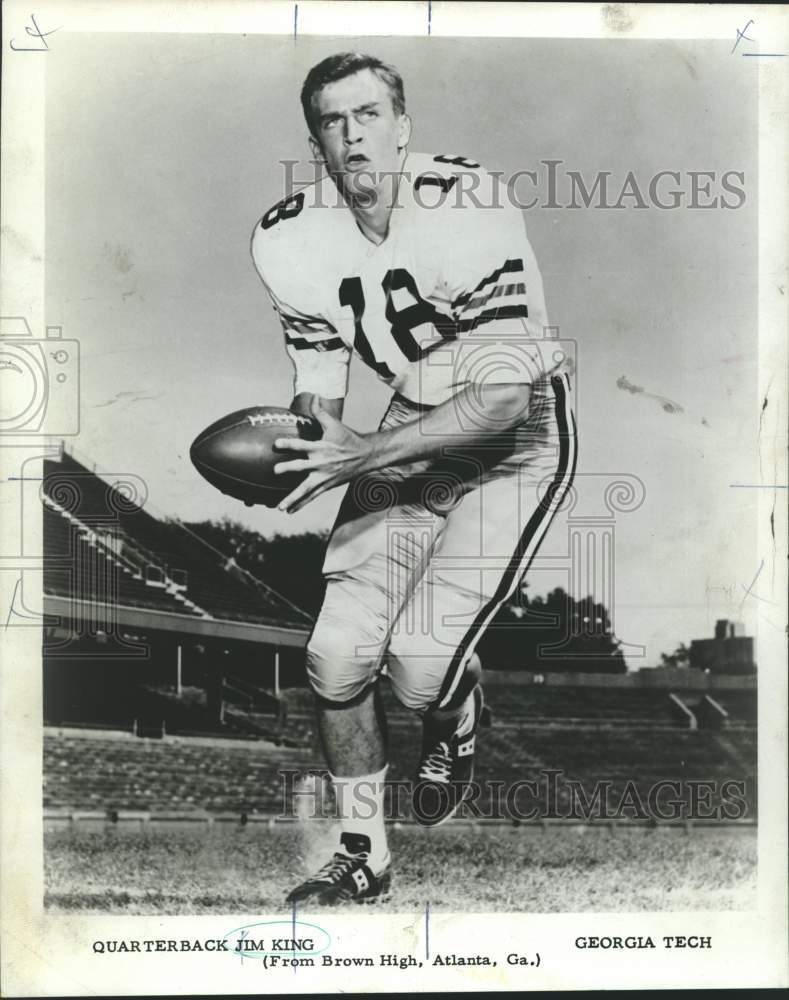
(277, 418)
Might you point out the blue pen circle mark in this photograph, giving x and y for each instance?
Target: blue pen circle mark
(291, 925)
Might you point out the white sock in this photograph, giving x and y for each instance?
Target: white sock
(360, 803)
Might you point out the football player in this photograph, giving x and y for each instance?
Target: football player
(417, 264)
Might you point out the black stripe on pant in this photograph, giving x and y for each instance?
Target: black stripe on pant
(515, 571)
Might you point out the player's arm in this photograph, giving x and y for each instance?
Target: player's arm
(319, 357)
(475, 415)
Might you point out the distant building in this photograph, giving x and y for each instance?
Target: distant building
(730, 652)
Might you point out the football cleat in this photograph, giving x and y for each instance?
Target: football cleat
(446, 769)
(346, 876)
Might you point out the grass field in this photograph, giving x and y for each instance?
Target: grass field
(467, 869)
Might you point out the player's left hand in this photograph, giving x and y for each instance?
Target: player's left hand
(331, 461)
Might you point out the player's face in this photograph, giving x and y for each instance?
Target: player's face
(360, 137)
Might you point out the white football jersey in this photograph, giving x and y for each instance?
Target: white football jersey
(452, 296)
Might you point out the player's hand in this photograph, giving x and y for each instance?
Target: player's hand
(335, 459)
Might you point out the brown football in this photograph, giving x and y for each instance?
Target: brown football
(236, 454)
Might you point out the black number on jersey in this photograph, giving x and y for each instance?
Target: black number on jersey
(445, 183)
(419, 312)
(403, 321)
(288, 208)
(352, 294)
(456, 161)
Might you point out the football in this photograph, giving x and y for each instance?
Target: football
(236, 454)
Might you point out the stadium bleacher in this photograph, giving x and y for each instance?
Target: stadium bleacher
(121, 772)
(98, 772)
(585, 704)
(740, 706)
(616, 748)
(128, 773)
(176, 571)
(78, 563)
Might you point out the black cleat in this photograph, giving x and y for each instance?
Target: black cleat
(446, 769)
(346, 876)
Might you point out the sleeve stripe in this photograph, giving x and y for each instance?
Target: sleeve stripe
(512, 266)
(310, 336)
(299, 344)
(500, 291)
(501, 312)
(307, 324)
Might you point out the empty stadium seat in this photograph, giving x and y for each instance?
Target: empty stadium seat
(114, 774)
(202, 581)
(129, 773)
(77, 566)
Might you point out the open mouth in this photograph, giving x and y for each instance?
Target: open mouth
(356, 161)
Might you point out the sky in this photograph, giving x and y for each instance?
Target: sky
(164, 150)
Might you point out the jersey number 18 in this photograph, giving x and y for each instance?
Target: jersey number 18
(402, 321)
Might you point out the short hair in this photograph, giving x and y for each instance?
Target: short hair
(343, 64)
